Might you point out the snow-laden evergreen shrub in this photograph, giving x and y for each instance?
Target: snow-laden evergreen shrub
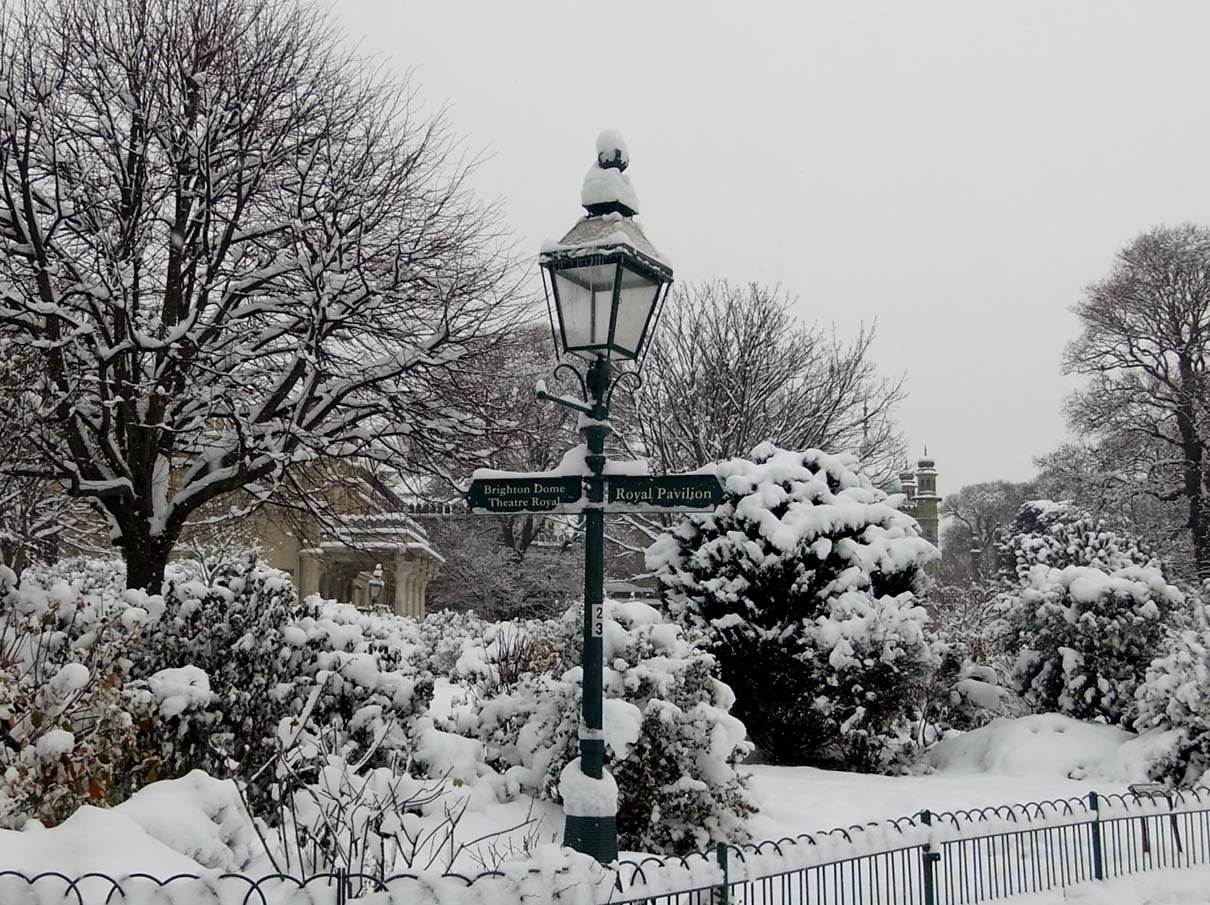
(1175, 695)
(972, 685)
(804, 583)
(671, 743)
(1058, 535)
(1083, 638)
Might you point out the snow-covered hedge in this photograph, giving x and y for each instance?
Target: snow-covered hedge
(218, 677)
(1083, 637)
(803, 582)
(671, 744)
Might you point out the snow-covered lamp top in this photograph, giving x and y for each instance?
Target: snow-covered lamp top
(607, 188)
(605, 277)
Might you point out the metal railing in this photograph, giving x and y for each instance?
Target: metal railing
(960, 857)
(940, 858)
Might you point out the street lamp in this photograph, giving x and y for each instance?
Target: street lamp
(608, 283)
(376, 585)
(604, 275)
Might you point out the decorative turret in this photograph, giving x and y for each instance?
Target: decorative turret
(927, 500)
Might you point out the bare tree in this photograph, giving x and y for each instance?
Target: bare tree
(536, 433)
(38, 521)
(730, 367)
(1143, 346)
(973, 519)
(234, 249)
(1120, 481)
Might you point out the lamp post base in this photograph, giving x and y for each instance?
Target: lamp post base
(595, 836)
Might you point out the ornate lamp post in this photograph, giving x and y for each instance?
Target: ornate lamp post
(607, 283)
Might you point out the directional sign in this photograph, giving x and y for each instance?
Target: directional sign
(669, 493)
(505, 496)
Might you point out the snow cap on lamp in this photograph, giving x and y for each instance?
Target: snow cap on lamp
(607, 188)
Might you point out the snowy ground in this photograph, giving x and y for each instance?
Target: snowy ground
(1177, 887)
(1011, 761)
(195, 823)
(800, 799)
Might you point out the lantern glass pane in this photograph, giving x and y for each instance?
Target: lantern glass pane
(635, 302)
(584, 296)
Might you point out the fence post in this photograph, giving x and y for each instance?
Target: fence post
(1094, 830)
(341, 892)
(928, 861)
(722, 895)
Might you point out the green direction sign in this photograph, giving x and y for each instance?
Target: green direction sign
(669, 493)
(505, 496)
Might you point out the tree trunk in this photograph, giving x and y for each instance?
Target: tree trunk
(1194, 455)
(146, 559)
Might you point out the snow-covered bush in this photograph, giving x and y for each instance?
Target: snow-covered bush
(78, 728)
(804, 582)
(1175, 695)
(270, 657)
(210, 671)
(966, 616)
(965, 695)
(1083, 637)
(441, 634)
(370, 821)
(671, 744)
(972, 684)
(1059, 535)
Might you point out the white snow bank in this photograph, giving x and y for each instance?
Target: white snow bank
(447, 754)
(200, 817)
(185, 825)
(1054, 745)
(1137, 758)
(1030, 745)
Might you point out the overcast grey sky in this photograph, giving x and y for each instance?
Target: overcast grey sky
(956, 170)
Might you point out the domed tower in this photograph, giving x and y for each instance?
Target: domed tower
(927, 500)
(907, 486)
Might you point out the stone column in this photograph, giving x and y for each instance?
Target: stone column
(308, 576)
(403, 586)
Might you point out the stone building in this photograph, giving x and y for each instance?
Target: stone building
(374, 528)
(923, 503)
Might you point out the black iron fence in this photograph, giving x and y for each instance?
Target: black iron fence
(940, 858)
(931, 858)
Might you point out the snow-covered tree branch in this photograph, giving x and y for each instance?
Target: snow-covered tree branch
(730, 367)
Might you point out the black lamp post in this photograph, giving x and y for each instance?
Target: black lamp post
(607, 283)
